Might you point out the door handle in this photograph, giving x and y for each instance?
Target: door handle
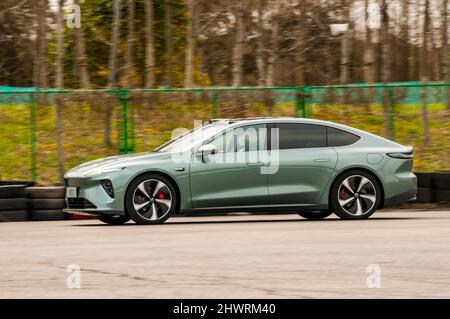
(324, 159)
(255, 163)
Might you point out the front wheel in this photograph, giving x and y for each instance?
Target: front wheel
(151, 199)
(315, 215)
(355, 195)
(113, 220)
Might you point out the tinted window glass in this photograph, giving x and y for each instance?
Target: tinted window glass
(340, 138)
(301, 136)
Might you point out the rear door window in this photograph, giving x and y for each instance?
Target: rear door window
(338, 137)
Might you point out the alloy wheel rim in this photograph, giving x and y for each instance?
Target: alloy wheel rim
(152, 199)
(357, 195)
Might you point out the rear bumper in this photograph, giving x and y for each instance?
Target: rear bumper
(400, 198)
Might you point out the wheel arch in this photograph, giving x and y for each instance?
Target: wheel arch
(364, 169)
(156, 172)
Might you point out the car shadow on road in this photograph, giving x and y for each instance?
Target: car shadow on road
(242, 221)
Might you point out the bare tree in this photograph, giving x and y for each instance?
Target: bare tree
(40, 60)
(260, 44)
(274, 38)
(150, 46)
(445, 50)
(385, 66)
(346, 43)
(59, 85)
(168, 42)
(80, 57)
(301, 47)
(369, 73)
(112, 75)
(424, 65)
(129, 49)
(239, 34)
(190, 46)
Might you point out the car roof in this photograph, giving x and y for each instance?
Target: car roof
(257, 120)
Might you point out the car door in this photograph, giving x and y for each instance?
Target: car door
(232, 176)
(305, 162)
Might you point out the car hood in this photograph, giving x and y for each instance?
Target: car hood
(119, 161)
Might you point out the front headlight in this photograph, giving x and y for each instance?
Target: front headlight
(113, 169)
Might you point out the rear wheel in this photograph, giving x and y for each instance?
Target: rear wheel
(114, 220)
(315, 215)
(355, 195)
(151, 199)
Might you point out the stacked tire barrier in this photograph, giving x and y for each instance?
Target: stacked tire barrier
(433, 187)
(22, 201)
(13, 203)
(46, 203)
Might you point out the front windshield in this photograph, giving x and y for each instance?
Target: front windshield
(193, 137)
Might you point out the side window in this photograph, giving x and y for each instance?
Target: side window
(338, 137)
(292, 135)
(242, 139)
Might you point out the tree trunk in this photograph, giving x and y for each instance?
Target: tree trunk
(190, 46)
(424, 66)
(42, 38)
(168, 42)
(345, 44)
(80, 53)
(369, 74)
(274, 37)
(238, 43)
(112, 76)
(404, 37)
(129, 49)
(412, 61)
(150, 46)
(301, 38)
(59, 86)
(385, 67)
(260, 44)
(445, 51)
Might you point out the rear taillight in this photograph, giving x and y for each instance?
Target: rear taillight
(401, 155)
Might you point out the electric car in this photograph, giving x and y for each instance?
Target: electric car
(310, 167)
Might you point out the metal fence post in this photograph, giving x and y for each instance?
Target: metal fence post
(300, 102)
(123, 121)
(391, 113)
(214, 105)
(32, 110)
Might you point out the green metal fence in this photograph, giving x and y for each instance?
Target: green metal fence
(98, 123)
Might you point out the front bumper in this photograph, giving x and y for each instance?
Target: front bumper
(92, 198)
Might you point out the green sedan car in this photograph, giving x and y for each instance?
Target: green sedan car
(311, 167)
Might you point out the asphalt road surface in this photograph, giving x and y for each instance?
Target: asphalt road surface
(407, 255)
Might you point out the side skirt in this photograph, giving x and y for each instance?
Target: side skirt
(258, 208)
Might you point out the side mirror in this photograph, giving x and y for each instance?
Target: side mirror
(206, 150)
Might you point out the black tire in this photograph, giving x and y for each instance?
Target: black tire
(441, 195)
(114, 220)
(423, 179)
(46, 192)
(129, 200)
(14, 216)
(12, 204)
(334, 196)
(424, 195)
(47, 203)
(12, 191)
(441, 180)
(315, 215)
(43, 215)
